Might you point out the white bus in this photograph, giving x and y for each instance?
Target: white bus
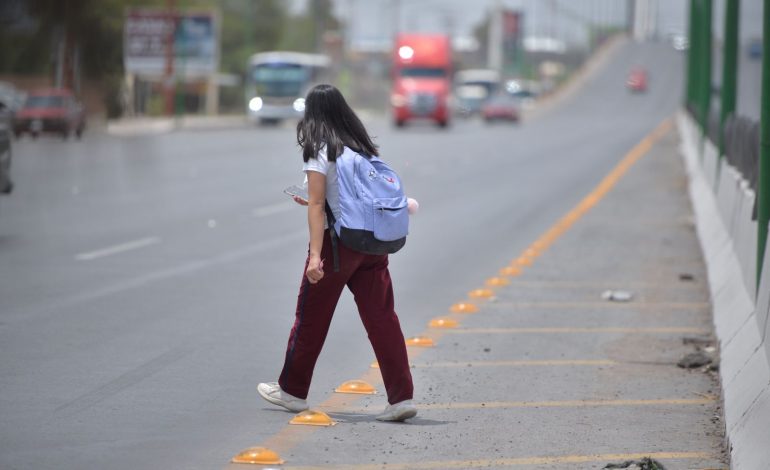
(277, 83)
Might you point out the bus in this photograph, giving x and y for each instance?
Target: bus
(277, 82)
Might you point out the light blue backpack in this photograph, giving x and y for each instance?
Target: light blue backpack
(373, 210)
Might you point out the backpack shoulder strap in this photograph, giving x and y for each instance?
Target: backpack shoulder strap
(330, 221)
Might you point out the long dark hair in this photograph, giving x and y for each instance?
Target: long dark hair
(330, 121)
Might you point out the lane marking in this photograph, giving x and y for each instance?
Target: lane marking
(116, 249)
(483, 463)
(570, 330)
(272, 209)
(520, 363)
(566, 404)
(599, 284)
(604, 305)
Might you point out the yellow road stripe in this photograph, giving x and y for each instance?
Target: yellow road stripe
(600, 284)
(532, 363)
(480, 463)
(566, 404)
(568, 330)
(610, 305)
(609, 181)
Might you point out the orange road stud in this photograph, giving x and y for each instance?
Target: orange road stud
(523, 261)
(463, 307)
(375, 365)
(422, 341)
(511, 271)
(356, 386)
(441, 322)
(481, 294)
(497, 282)
(531, 253)
(258, 456)
(540, 245)
(312, 418)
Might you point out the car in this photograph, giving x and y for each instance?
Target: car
(637, 80)
(501, 107)
(754, 48)
(6, 185)
(51, 110)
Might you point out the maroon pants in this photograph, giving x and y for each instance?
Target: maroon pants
(368, 279)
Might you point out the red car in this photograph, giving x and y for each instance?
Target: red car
(501, 107)
(53, 110)
(637, 80)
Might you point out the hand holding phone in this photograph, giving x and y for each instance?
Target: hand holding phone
(298, 193)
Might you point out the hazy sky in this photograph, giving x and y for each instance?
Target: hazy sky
(373, 20)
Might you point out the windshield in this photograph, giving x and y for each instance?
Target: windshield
(423, 72)
(45, 102)
(279, 79)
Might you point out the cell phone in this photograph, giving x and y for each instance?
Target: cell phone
(297, 191)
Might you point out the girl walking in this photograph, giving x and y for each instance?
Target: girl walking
(330, 126)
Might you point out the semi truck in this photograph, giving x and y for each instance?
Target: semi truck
(422, 69)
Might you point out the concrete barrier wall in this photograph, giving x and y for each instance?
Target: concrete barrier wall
(723, 205)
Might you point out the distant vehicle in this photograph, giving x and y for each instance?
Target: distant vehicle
(50, 110)
(680, 42)
(277, 83)
(11, 97)
(637, 80)
(6, 186)
(754, 49)
(472, 87)
(422, 66)
(501, 107)
(525, 91)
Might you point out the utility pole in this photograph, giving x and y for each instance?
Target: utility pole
(763, 183)
(168, 75)
(495, 38)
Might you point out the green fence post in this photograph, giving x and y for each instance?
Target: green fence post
(729, 69)
(763, 183)
(705, 65)
(691, 58)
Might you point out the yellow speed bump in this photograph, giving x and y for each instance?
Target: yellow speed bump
(481, 294)
(312, 418)
(510, 271)
(422, 341)
(258, 456)
(442, 322)
(356, 386)
(463, 307)
(497, 281)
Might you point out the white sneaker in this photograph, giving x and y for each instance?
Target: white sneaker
(272, 392)
(398, 412)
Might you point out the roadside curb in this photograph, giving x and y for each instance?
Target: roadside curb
(725, 229)
(154, 126)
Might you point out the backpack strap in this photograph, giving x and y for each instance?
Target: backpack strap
(333, 235)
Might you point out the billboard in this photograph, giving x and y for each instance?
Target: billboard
(195, 43)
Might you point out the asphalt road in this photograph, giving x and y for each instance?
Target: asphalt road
(147, 283)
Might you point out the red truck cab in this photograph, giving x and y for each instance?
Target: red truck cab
(421, 78)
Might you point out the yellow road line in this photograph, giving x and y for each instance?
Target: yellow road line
(605, 305)
(545, 460)
(569, 330)
(522, 363)
(566, 404)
